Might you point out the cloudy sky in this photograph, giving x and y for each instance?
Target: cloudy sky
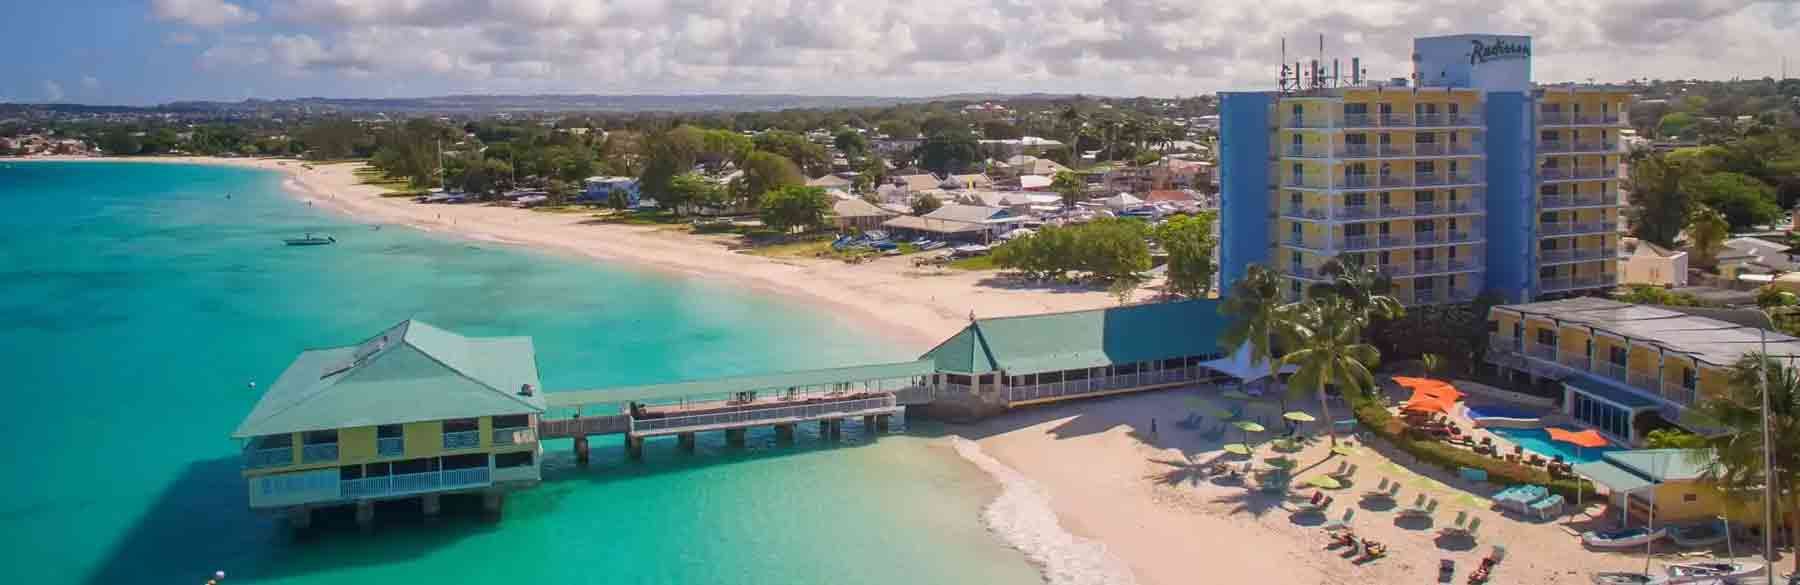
(152, 51)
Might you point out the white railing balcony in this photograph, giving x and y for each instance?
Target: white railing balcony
(1564, 200)
(1555, 228)
(1358, 151)
(1305, 122)
(758, 415)
(1354, 212)
(1302, 212)
(1541, 351)
(1556, 283)
(1305, 151)
(1360, 121)
(1423, 267)
(1305, 182)
(1429, 237)
(1573, 119)
(1461, 265)
(1357, 242)
(1588, 147)
(513, 436)
(1576, 173)
(1461, 236)
(1497, 342)
(1308, 273)
(1396, 270)
(319, 453)
(1593, 227)
(390, 446)
(1557, 255)
(462, 440)
(272, 457)
(415, 483)
(1437, 179)
(1393, 240)
(1648, 382)
(1611, 370)
(1574, 360)
(1396, 149)
(1395, 120)
(466, 477)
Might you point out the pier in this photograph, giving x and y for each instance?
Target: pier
(417, 412)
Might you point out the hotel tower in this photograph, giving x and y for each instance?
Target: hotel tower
(1461, 179)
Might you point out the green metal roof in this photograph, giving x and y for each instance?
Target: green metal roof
(717, 386)
(1660, 465)
(1615, 478)
(409, 373)
(1083, 339)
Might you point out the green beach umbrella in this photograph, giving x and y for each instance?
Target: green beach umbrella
(1249, 426)
(1237, 449)
(1282, 462)
(1325, 482)
(1298, 416)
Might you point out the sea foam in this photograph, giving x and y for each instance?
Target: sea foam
(1022, 517)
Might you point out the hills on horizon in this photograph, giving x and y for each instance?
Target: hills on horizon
(487, 104)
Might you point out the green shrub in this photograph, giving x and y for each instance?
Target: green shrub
(1373, 415)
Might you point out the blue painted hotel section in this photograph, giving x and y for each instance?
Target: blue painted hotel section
(1244, 183)
(1511, 202)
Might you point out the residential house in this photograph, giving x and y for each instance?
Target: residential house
(1642, 262)
(601, 189)
(960, 222)
(413, 411)
(1669, 483)
(969, 181)
(857, 214)
(830, 182)
(917, 183)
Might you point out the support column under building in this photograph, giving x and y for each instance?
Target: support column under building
(784, 433)
(430, 505)
(687, 441)
(299, 517)
(735, 437)
(492, 502)
(365, 516)
(581, 449)
(634, 446)
(882, 422)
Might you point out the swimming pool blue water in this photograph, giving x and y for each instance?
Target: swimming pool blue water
(1489, 411)
(1538, 441)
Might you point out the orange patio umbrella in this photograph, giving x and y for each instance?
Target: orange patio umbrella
(1429, 387)
(1420, 403)
(1582, 440)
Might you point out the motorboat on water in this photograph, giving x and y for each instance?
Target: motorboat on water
(1625, 538)
(310, 240)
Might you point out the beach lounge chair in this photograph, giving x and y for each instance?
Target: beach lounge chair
(1391, 494)
(1342, 523)
(1380, 488)
(1418, 503)
(1425, 512)
(1344, 474)
(1342, 465)
(1462, 517)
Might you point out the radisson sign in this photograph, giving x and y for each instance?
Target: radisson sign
(1498, 50)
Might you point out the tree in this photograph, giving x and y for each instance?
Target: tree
(1073, 122)
(1329, 351)
(1673, 438)
(764, 172)
(1744, 201)
(1256, 317)
(851, 143)
(1734, 458)
(1675, 124)
(1365, 288)
(1707, 231)
(1771, 296)
(925, 203)
(948, 151)
(796, 148)
(1645, 294)
(791, 207)
(1189, 241)
(688, 190)
(1112, 249)
(1000, 130)
(1070, 186)
(667, 154)
(871, 173)
(1660, 206)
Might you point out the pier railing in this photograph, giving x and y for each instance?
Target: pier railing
(763, 415)
(580, 427)
(1102, 384)
(413, 483)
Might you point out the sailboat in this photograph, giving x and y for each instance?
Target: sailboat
(310, 240)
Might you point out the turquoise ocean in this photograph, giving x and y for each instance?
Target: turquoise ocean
(137, 302)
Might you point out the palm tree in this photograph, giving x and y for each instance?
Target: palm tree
(1734, 460)
(1257, 315)
(1072, 118)
(1329, 351)
(1365, 288)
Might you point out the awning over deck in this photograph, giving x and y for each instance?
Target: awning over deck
(717, 386)
(1606, 390)
(1615, 478)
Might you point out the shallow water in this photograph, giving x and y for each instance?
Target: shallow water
(137, 302)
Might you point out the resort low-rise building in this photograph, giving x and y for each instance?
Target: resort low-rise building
(413, 411)
(1618, 362)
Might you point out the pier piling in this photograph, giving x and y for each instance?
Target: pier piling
(581, 449)
(882, 422)
(365, 516)
(784, 433)
(430, 505)
(492, 502)
(299, 517)
(736, 437)
(686, 440)
(634, 446)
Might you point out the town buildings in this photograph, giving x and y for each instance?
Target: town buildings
(1461, 179)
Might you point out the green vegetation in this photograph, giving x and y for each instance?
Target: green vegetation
(1373, 415)
(1189, 241)
(1655, 295)
(925, 203)
(1106, 250)
(1734, 461)
(1707, 231)
(1070, 186)
(1673, 438)
(792, 208)
(975, 263)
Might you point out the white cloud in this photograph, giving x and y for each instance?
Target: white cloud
(1153, 47)
(201, 13)
(90, 82)
(180, 38)
(53, 91)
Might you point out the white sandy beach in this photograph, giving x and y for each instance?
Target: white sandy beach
(1088, 493)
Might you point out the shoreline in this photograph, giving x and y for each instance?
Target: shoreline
(914, 309)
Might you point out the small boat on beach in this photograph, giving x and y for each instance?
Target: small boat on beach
(1699, 535)
(1626, 538)
(310, 240)
(1706, 572)
(1628, 579)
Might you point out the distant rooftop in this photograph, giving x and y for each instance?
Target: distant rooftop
(1083, 339)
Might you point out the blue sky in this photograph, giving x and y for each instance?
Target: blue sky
(154, 51)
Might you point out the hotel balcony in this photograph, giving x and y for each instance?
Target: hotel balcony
(1430, 268)
(462, 440)
(1303, 272)
(388, 486)
(1385, 151)
(1406, 240)
(1584, 282)
(1572, 255)
(1563, 175)
(319, 453)
(390, 446)
(1548, 119)
(1460, 120)
(1577, 201)
(1546, 360)
(1381, 212)
(1567, 147)
(1570, 228)
(1379, 182)
(271, 457)
(514, 436)
(1436, 296)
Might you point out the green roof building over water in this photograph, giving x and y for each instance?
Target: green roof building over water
(411, 372)
(1083, 339)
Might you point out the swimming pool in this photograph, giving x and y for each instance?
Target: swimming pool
(1538, 441)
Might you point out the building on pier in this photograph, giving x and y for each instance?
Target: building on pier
(413, 411)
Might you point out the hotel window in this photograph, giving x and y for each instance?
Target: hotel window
(1426, 196)
(1690, 498)
(1299, 113)
(1426, 167)
(1295, 199)
(1359, 229)
(1548, 136)
(1299, 172)
(1385, 257)
(1452, 252)
(1424, 255)
(1547, 217)
(1356, 199)
(1386, 200)
(1358, 139)
(1453, 168)
(515, 459)
(1294, 288)
(1590, 349)
(1547, 189)
(1385, 138)
(1425, 284)
(1420, 227)
(1546, 337)
(1294, 229)
(1426, 138)
(1452, 224)
(1617, 356)
(1690, 379)
(457, 425)
(320, 437)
